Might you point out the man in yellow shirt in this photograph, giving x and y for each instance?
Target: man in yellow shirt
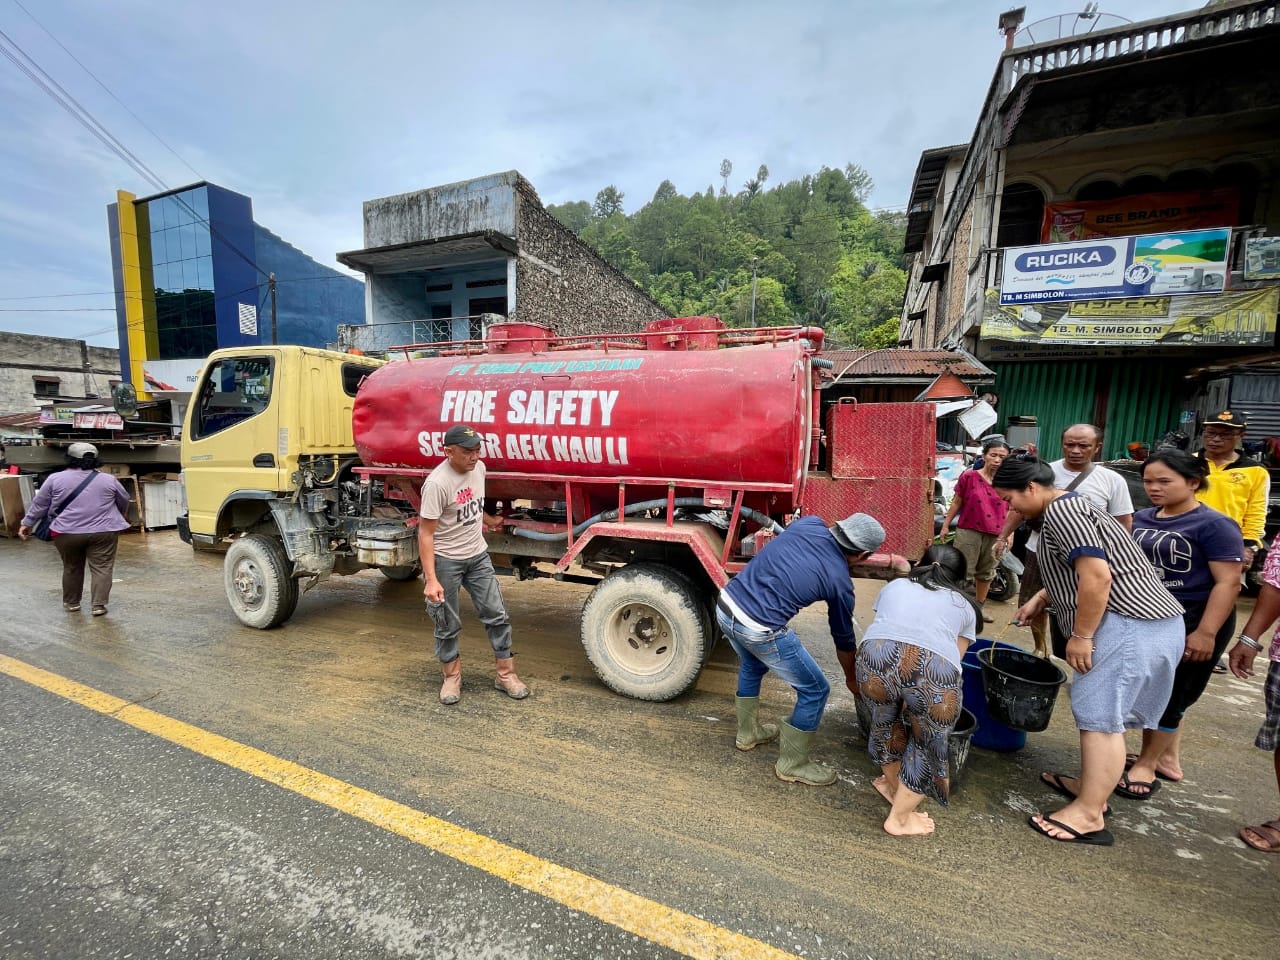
(1238, 486)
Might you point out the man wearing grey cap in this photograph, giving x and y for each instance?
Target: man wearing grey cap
(454, 554)
(806, 563)
(86, 512)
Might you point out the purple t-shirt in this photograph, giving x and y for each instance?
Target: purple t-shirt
(98, 508)
(981, 508)
(1182, 547)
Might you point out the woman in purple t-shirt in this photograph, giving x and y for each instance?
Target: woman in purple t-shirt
(1196, 552)
(982, 515)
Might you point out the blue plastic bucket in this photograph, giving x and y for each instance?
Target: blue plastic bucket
(991, 733)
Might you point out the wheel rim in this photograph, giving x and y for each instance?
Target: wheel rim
(640, 639)
(250, 584)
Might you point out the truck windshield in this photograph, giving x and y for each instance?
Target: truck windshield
(232, 391)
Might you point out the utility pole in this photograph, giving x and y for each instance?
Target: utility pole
(271, 285)
(754, 261)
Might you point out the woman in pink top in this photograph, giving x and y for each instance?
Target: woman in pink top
(981, 516)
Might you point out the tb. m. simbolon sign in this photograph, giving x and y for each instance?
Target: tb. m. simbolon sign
(1165, 264)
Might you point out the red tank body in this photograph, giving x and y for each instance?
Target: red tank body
(735, 417)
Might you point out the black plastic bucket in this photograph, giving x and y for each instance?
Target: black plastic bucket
(958, 744)
(1020, 687)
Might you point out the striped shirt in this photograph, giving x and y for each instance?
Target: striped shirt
(1074, 527)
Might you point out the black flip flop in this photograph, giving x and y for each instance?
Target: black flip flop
(1094, 838)
(1054, 783)
(1131, 758)
(1125, 788)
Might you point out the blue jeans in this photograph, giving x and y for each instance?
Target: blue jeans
(481, 582)
(781, 652)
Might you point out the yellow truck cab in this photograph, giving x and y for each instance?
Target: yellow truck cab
(266, 444)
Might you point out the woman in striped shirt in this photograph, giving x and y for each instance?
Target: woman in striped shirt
(1125, 637)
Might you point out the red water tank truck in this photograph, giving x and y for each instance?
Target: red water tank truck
(651, 465)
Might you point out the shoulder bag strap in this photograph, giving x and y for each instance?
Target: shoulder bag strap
(74, 493)
(1088, 469)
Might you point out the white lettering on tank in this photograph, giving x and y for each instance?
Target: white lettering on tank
(560, 447)
(515, 406)
(607, 399)
(431, 443)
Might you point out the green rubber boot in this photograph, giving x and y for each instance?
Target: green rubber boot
(794, 765)
(751, 733)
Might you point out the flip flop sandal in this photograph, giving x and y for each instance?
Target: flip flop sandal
(1269, 832)
(1131, 758)
(1054, 782)
(1095, 838)
(1125, 788)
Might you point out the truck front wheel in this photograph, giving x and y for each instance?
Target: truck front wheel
(259, 587)
(644, 632)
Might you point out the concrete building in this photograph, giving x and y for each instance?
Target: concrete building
(35, 371)
(1154, 146)
(438, 260)
(192, 274)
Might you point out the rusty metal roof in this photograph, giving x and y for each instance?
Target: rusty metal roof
(21, 421)
(899, 362)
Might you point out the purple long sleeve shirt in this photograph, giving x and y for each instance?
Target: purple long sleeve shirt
(99, 507)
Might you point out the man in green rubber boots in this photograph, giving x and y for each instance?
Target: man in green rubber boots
(806, 563)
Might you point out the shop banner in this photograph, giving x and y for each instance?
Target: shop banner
(1187, 262)
(1069, 220)
(1262, 258)
(1236, 318)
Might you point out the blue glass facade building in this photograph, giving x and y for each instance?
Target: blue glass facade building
(191, 274)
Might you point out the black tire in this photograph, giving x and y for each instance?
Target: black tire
(1251, 585)
(259, 582)
(409, 571)
(999, 589)
(645, 632)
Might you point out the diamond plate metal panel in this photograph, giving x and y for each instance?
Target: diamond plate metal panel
(902, 505)
(874, 441)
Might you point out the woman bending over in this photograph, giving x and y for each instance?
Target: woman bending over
(908, 672)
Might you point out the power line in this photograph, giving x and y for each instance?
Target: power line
(55, 296)
(106, 88)
(42, 79)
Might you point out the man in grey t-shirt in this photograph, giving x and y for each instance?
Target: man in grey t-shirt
(452, 548)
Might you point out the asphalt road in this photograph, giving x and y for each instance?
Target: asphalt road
(348, 814)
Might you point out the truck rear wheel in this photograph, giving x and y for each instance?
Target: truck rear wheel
(259, 588)
(645, 633)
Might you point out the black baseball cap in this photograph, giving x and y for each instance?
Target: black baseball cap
(1237, 419)
(460, 435)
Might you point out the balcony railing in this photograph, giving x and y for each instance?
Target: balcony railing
(1150, 36)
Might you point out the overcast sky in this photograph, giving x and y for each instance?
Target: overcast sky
(312, 107)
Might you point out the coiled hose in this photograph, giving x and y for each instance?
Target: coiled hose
(641, 507)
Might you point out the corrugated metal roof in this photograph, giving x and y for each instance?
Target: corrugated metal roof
(21, 421)
(899, 362)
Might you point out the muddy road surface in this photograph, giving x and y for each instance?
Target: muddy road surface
(300, 792)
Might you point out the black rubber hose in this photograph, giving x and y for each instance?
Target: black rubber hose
(634, 508)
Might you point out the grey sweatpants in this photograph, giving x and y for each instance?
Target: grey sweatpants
(481, 582)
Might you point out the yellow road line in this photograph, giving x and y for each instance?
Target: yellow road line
(645, 918)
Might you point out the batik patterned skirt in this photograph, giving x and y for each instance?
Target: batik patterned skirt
(914, 697)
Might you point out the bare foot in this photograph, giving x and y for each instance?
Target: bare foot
(884, 787)
(914, 824)
(1169, 770)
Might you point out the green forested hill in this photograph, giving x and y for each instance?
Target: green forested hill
(820, 256)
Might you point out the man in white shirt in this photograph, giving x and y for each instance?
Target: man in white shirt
(1077, 472)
